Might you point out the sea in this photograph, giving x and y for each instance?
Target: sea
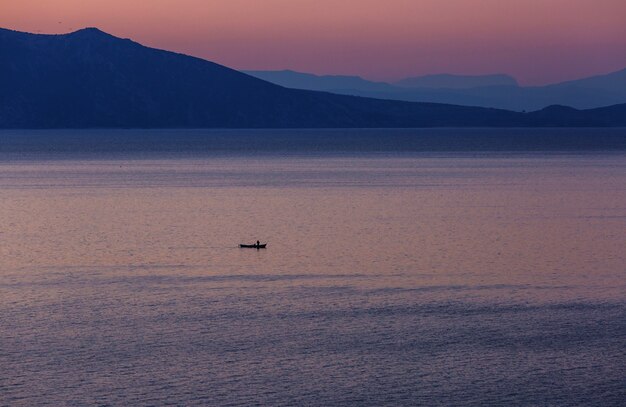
(424, 267)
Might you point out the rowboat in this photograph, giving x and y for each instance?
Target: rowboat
(253, 246)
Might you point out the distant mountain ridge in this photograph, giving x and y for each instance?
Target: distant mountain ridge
(299, 80)
(449, 81)
(496, 91)
(91, 79)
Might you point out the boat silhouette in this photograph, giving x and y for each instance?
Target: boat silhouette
(257, 245)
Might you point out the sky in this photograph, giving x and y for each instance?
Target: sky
(536, 41)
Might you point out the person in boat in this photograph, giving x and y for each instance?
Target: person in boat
(258, 243)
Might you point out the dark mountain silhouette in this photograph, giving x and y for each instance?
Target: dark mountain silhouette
(555, 116)
(497, 91)
(92, 79)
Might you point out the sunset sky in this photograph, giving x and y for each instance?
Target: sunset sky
(537, 41)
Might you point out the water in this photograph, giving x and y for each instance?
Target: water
(427, 277)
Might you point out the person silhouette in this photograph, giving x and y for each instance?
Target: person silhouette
(258, 244)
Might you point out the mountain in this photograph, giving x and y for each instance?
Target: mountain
(89, 79)
(299, 80)
(614, 82)
(555, 116)
(496, 91)
(448, 81)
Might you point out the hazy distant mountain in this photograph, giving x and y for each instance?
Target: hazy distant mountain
(92, 79)
(448, 81)
(497, 91)
(614, 82)
(299, 80)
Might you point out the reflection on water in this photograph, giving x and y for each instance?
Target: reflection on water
(387, 280)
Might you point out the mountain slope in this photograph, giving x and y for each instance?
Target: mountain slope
(555, 116)
(449, 81)
(611, 82)
(496, 91)
(91, 79)
(327, 83)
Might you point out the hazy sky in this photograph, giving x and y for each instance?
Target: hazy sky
(537, 41)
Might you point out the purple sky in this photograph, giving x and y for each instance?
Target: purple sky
(537, 41)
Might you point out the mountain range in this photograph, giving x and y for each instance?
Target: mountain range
(496, 91)
(91, 79)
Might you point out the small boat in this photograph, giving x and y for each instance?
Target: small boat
(253, 246)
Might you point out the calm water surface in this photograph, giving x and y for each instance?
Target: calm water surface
(389, 279)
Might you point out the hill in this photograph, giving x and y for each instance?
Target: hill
(90, 79)
(496, 91)
(326, 83)
(449, 81)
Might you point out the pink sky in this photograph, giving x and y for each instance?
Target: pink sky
(537, 41)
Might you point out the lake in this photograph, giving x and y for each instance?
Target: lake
(403, 267)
